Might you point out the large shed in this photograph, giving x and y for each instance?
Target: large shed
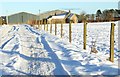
(21, 18)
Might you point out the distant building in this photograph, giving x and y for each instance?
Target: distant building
(50, 13)
(0, 20)
(64, 17)
(20, 18)
(3, 20)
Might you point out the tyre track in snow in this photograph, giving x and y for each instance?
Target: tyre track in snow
(51, 64)
(9, 49)
(14, 33)
(34, 57)
(8, 35)
(6, 42)
(59, 70)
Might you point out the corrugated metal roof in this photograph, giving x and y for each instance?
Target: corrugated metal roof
(22, 12)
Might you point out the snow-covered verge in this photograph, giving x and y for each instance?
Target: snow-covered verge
(22, 53)
(27, 51)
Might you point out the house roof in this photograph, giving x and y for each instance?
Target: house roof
(58, 17)
(3, 17)
(70, 15)
(46, 14)
(61, 16)
(66, 13)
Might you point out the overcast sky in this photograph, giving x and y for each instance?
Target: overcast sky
(11, 7)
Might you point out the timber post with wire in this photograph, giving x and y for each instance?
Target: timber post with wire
(47, 25)
(70, 32)
(61, 28)
(85, 35)
(112, 42)
(41, 24)
(44, 24)
(39, 20)
(55, 28)
(51, 27)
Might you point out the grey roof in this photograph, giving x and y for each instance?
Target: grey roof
(23, 12)
(50, 13)
(66, 13)
(62, 14)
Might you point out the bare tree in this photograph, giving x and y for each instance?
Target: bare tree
(83, 16)
(98, 15)
(92, 17)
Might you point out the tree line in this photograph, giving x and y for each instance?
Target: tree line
(100, 16)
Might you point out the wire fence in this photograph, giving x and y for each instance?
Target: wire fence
(96, 37)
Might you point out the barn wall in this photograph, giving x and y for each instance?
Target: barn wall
(15, 19)
(21, 18)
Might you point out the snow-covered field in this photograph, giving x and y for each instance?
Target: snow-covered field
(25, 50)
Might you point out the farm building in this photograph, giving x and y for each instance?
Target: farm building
(50, 13)
(20, 18)
(0, 20)
(3, 20)
(64, 17)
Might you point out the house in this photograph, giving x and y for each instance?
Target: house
(21, 18)
(64, 18)
(56, 18)
(72, 17)
(46, 14)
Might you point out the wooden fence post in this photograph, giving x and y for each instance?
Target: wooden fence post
(51, 27)
(85, 35)
(112, 43)
(61, 28)
(47, 25)
(41, 24)
(36, 24)
(44, 24)
(55, 28)
(70, 32)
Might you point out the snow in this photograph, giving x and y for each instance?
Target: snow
(58, 17)
(25, 50)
